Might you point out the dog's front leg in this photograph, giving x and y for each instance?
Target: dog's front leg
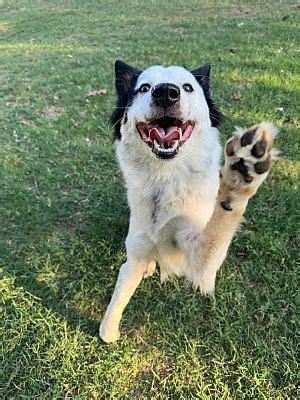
(130, 275)
(247, 163)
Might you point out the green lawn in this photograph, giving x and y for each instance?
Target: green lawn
(64, 217)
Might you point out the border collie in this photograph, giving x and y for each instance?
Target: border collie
(184, 208)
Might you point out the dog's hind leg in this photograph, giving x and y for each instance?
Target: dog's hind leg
(130, 275)
(247, 163)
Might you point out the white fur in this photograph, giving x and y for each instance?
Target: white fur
(187, 187)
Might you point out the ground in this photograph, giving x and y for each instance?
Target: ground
(64, 215)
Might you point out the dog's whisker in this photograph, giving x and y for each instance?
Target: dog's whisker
(116, 123)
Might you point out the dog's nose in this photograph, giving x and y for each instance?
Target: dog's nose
(165, 94)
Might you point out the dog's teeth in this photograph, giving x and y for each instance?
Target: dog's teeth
(180, 133)
(156, 144)
(174, 145)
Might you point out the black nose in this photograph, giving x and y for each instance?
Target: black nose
(165, 94)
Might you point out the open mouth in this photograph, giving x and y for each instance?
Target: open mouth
(165, 135)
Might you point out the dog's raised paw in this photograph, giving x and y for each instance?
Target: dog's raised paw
(248, 156)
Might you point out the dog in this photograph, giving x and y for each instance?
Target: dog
(184, 208)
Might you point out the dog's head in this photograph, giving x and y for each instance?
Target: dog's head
(162, 107)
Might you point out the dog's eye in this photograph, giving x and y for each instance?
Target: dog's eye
(187, 87)
(144, 88)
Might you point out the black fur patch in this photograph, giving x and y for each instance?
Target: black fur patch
(126, 77)
(202, 76)
(226, 205)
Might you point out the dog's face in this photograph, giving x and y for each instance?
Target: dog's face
(162, 107)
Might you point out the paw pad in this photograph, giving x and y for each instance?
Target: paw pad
(248, 137)
(243, 169)
(262, 167)
(250, 152)
(259, 149)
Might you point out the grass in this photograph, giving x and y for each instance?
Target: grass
(64, 216)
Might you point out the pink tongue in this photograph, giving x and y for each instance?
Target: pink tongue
(164, 137)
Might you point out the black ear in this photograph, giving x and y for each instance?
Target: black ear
(202, 76)
(126, 77)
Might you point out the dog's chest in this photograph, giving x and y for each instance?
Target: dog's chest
(157, 205)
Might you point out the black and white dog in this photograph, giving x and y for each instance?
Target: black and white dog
(184, 209)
